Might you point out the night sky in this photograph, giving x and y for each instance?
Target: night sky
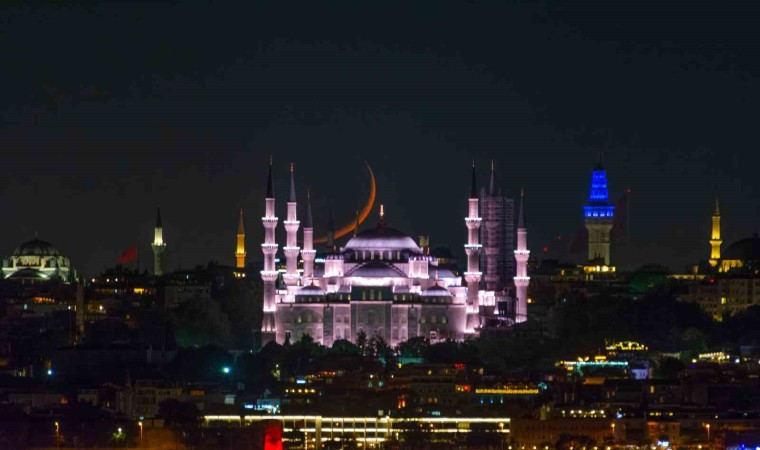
(109, 110)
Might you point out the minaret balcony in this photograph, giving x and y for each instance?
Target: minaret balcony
(472, 249)
(473, 277)
(472, 222)
(269, 249)
(308, 254)
(291, 225)
(269, 275)
(269, 222)
(291, 251)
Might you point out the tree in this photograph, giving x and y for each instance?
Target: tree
(574, 441)
(413, 348)
(242, 299)
(199, 322)
(361, 342)
(344, 347)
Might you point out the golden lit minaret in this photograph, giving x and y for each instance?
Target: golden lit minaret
(240, 249)
(715, 240)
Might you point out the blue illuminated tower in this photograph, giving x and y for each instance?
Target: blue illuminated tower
(598, 214)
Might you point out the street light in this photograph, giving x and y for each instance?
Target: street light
(226, 369)
(141, 432)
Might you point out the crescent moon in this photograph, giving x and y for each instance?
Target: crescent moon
(363, 214)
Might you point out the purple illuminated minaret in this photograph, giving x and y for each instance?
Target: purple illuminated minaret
(269, 274)
(521, 258)
(291, 243)
(308, 251)
(472, 249)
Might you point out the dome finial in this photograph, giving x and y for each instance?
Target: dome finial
(382, 214)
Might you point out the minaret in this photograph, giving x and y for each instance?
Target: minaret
(490, 241)
(269, 274)
(308, 251)
(715, 240)
(158, 245)
(598, 217)
(291, 243)
(521, 259)
(240, 249)
(472, 249)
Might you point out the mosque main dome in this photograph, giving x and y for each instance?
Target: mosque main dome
(36, 260)
(383, 237)
(36, 247)
(744, 253)
(747, 249)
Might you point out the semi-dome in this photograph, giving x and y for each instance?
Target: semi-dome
(36, 247)
(382, 237)
(436, 291)
(312, 290)
(376, 269)
(747, 249)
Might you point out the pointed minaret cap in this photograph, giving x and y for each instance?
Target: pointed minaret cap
(521, 216)
(241, 226)
(308, 223)
(717, 207)
(474, 186)
(492, 186)
(292, 194)
(270, 184)
(158, 217)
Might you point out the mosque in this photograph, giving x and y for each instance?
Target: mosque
(36, 261)
(380, 283)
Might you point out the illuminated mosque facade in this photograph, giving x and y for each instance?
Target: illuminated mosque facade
(380, 283)
(36, 261)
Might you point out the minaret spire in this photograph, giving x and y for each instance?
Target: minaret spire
(492, 185)
(158, 245)
(240, 248)
(474, 184)
(291, 227)
(715, 240)
(522, 280)
(292, 193)
(270, 181)
(269, 274)
(308, 251)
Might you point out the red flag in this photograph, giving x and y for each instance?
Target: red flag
(128, 255)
